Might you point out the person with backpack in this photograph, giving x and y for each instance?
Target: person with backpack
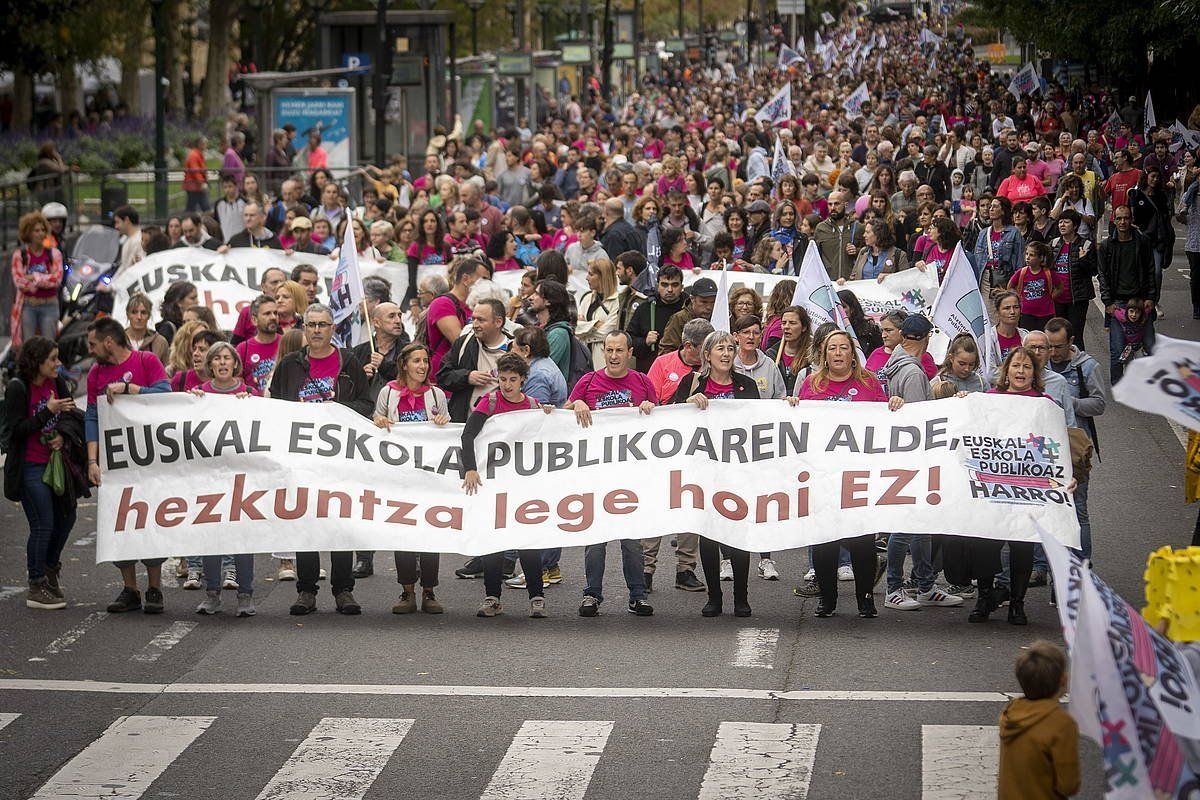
(37, 273)
(468, 370)
(448, 313)
(511, 371)
(551, 304)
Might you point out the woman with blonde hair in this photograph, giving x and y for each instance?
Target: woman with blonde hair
(180, 358)
(598, 308)
(291, 300)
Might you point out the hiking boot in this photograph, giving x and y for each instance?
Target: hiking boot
(40, 596)
(245, 605)
(287, 570)
(127, 600)
(470, 570)
(153, 603)
(490, 607)
(430, 604)
(407, 604)
(346, 604)
(363, 568)
(687, 581)
(53, 580)
(306, 603)
(211, 603)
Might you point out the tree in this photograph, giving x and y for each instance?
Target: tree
(221, 16)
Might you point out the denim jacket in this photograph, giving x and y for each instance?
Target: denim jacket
(1009, 252)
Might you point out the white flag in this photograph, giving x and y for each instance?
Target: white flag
(818, 42)
(816, 292)
(827, 18)
(1182, 136)
(780, 165)
(928, 37)
(800, 46)
(1025, 82)
(942, 127)
(854, 102)
(1148, 120)
(959, 309)
(788, 56)
(346, 295)
(1165, 383)
(720, 312)
(779, 108)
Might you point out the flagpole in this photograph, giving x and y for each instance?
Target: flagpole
(370, 329)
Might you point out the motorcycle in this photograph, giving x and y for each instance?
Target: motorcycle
(84, 295)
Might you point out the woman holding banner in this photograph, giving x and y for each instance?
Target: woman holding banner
(411, 398)
(718, 380)
(791, 353)
(840, 377)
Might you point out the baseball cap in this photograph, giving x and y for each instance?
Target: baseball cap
(303, 223)
(705, 287)
(916, 326)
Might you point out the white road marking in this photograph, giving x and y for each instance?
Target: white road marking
(63, 643)
(341, 757)
(164, 641)
(1180, 433)
(756, 648)
(757, 759)
(959, 762)
(11, 591)
(7, 719)
(85, 541)
(126, 759)
(416, 690)
(549, 758)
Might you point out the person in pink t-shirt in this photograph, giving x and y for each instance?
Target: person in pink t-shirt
(448, 314)
(511, 371)
(259, 352)
(840, 377)
(1035, 285)
(1020, 185)
(615, 386)
(272, 279)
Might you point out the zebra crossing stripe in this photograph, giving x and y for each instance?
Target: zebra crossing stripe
(756, 648)
(7, 719)
(959, 762)
(751, 760)
(341, 757)
(549, 758)
(163, 642)
(126, 759)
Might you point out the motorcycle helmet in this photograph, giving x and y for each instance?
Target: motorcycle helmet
(54, 211)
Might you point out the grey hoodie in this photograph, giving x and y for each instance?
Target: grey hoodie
(905, 378)
(974, 383)
(1093, 377)
(764, 373)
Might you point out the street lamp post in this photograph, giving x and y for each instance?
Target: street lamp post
(160, 109)
(379, 87)
(475, 5)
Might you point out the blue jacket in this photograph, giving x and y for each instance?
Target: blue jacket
(1010, 253)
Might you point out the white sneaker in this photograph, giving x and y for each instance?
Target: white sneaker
(811, 575)
(193, 579)
(936, 597)
(516, 581)
(901, 601)
(767, 571)
(287, 570)
(537, 608)
(726, 569)
(229, 580)
(846, 573)
(322, 574)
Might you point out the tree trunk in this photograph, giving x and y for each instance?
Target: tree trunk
(221, 15)
(22, 118)
(70, 94)
(173, 11)
(132, 50)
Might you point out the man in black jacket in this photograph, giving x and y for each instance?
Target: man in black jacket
(1127, 278)
(468, 370)
(650, 318)
(322, 373)
(618, 235)
(933, 173)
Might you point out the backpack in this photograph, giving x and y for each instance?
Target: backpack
(581, 361)
(491, 401)
(421, 335)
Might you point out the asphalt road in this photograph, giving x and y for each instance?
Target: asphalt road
(671, 706)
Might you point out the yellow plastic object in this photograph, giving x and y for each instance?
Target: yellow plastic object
(1173, 592)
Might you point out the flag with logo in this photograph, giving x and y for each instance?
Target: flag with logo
(1182, 136)
(816, 292)
(1166, 382)
(778, 108)
(1131, 690)
(854, 102)
(780, 165)
(346, 295)
(959, 308)
(788, 56)
(928, 37)
(1026, 81)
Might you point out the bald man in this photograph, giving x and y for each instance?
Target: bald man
(387, 323)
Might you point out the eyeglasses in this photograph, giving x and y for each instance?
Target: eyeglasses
(1037, 348)
(318, 326)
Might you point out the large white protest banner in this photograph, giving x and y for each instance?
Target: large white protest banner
(227, 281)
(213, 474)
(1131, 690)
(1166, 383)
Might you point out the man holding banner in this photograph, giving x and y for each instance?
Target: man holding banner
(323, 373)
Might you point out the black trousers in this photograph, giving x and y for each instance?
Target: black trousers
(985, 559)
(1076, 314)
(862, 559)
(341, 571)
(1194, 264)
(406, 568)
(493, 572)
(710, 561)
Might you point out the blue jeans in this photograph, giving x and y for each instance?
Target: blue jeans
(1085, 523)
(550, 557)
(200, 564)
(244, 563)
(49, 522)
(920, 545)
(631, 565)
(1116, 343)
(41, 320)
